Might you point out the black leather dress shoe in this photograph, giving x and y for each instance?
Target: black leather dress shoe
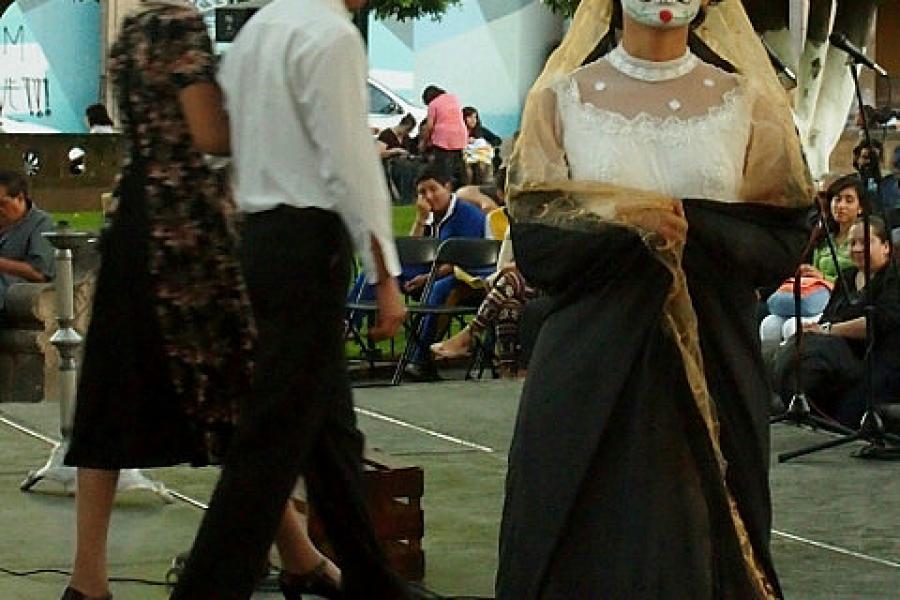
(71, 593)
(421, 372)
(316, 583)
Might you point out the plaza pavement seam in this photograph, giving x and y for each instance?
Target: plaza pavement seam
(426, 431)
(6, 420)
(837, 549)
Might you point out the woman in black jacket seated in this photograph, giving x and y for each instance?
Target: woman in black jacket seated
(833, 350)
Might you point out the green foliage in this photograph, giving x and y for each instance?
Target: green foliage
(565, 8)
(403, 10)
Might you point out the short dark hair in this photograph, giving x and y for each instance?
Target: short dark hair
(432, 172)
(878, 227)
(430, 93)
(14, 183)
(97, 115)
(875, 145)
(408, 121)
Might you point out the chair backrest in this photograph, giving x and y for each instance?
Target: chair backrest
(469, 253)
(417, 250)
(498, 223)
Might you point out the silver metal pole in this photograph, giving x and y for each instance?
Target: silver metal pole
(68, 341)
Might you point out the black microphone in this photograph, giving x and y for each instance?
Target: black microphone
(839, 40)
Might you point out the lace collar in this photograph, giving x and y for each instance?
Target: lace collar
(648, 70)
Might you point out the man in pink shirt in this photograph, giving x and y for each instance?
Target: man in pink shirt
(444, 133)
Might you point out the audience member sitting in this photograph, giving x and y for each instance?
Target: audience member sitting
(25, 255)
(98, 119)
(483, 144)
(440, 215)
(392, 140)
(501, 309)
(832, 350)
(888, 197)
(488, 197)
(399, 170)
(817, 276)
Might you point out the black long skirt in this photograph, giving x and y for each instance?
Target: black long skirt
(613, 490)
(128, 414)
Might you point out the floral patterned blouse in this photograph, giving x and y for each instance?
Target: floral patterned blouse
(201, 301)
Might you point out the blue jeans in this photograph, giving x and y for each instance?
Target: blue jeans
(438, 295)
(782, 303)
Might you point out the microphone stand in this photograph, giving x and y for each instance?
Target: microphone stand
(871, 426)
(798, 409)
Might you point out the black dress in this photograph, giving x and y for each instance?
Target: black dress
(613, 488)
(167, 354)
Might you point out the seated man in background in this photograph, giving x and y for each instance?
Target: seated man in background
(441, 215)
(25, 255)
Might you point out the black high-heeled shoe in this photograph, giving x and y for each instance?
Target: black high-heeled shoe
(71, 593)
(316, 582)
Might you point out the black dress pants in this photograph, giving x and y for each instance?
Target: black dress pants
(451, 163)
(300, 420)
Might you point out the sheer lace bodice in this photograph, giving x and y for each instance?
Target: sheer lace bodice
(680, 128)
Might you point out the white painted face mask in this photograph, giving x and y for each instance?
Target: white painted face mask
(662, 14)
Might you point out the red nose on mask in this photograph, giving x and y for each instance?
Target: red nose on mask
(665, 16)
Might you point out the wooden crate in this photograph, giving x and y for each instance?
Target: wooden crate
(394, 498)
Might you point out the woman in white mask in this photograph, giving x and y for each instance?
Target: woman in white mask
(657, 182)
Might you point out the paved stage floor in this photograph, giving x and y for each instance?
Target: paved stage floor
(836, 517)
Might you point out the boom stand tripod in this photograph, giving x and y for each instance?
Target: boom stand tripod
(798, 410)
(871, 426)
(68, 340)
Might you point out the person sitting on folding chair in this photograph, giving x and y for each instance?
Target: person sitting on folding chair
(501, 309)
(439, 214)
(503, 305)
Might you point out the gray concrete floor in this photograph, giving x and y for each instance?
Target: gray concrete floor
(836, 517)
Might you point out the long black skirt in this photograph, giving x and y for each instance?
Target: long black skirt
(613, 489)
(128, 414)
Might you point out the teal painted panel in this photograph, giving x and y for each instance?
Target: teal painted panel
(50, 57)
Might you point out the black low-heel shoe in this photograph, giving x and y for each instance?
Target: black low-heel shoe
(315, 582)
(71, 593)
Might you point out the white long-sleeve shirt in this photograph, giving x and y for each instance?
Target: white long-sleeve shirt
(295, 89)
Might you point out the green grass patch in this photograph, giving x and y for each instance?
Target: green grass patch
(90, 221)
(404, 217)
(93, 220)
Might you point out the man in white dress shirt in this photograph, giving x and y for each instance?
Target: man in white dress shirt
(294, 85)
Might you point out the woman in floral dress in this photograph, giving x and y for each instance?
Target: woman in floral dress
(167, 358)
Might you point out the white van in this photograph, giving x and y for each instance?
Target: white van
(386, 107)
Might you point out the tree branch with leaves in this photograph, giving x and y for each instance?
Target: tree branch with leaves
(566, 8)
(404, 10)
